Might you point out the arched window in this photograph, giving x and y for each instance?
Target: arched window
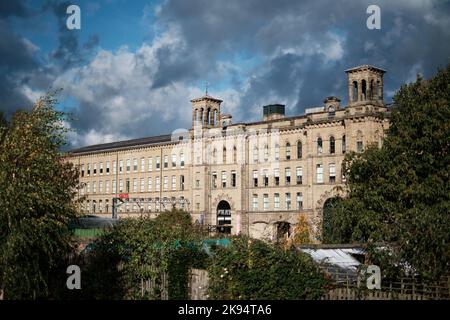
(359, 142)
(379, 90)
(266, 153)
(201, 115)
(208, 115)
(195, 115)
(288, 151)
(224, 155)
(277, 152)
(319, 145)
(234, 154)
(332, 145)
(355, 91)
(371, 90)
(344, 146)
(363, 89)
(255, 154)
(299, 150)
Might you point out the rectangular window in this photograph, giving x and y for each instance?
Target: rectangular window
(255, 178)
(88, 187)
(142, 185)
(174, 161)
(120, 185)
(94, 185)
(100, 186)
(224, 179)
(120, 166)
(142, 164)
(182, 182)
(166, 162)
(255, 202)
(158, 162)
(233, 178)
(266, 153)
(107, 186)
(150, 184)
(107, 167)
(332, 171)
(128, 165)
(95, 169)
(127, 185)
(150, 164)
(174, 183)
(277, 152)
(276, 175)
(135, 165)
(276, 201)
(135, 185)
(288, 201)
(214, 180)
(287, 172)
(158, 184)
(182, 160)
(266, 201)
(166, 183)
(299, 174)
(101, 168)
(88, 169)
(299, 200)
(114, 185)
(255, 155)
(82, 170)
(266, 178)
(359, 146)
(197, 183)
(319, 173)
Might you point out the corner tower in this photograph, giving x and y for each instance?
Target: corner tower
(206, 111)
(365, 84)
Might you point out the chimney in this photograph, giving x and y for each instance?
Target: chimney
(273, 111)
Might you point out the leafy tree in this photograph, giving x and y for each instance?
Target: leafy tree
(400, 193)
(37, 189)
(253, 269)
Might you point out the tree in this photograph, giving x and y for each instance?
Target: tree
(37, 191)
(400, 193)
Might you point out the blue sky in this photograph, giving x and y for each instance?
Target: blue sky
(134, 65)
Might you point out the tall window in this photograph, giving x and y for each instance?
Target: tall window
(266, 178)
(114, 186)
(288, 176)
(214, 180)
(277, 152)
(266, 201)
(88, 169)
(120, 185)
(319, 173)
(107, 186)
(299, 200)
(150, 184)
(332, 172)
(100, 186)
(101, 168)
(135, 185)
(182, 182)
(182, 160)
(359, 142)
(157, 184)
(120, 166)
(88, 187)
(234, 154)
(332, 145)
(299, 150)
(288, 151)
(233, 178)
(224, 155)
(344, 146)
(266, 153)
(174, 161)
(166, 162)
(255, 178)
(114, 167)
(150, 164)
(174, 183)
(166, 183)
(255, 154)
(214, 156)
(288, 201)
(142, 185)
(127, 185)
(135, 165)
(299, 175)
(276, 201)
(158, 162)
(128, 165)
(255, 202)
(319, 145)
(276, 175)
(107, 167)
(82, 170)
(224, 179)
(95, 169)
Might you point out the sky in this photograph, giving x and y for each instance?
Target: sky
(133, 67)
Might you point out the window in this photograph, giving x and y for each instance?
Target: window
(255, 178)
(299, 175)
(255, 154)
(332, 171)
(166, 162)
(288, 151)
(266, 178)
(214, 156)
(299, 200)
(174, 161)
(319, 173)
(224, 155)
(174, 183)
(100, 186)
(107, 186)
(157, 184)
(114, 186)
(359, 142)
(288, 201)
(128, 165)
(95, 169)
(276, 201)
(277, 152)
(157, 204)
(142, 164)
(166, 183)
(344, 147)
(224, 179)
(158, 162)
(197, 183)
(332, 145)
(319, 146)
(94, 185)
(88, 169)
(120, 185)
(288, 176)
(135, 186)
(121, 166)
(182, 182)
(88, 187)
(135, 165)
(107, 167)
(233, 178)
(255, 202)
(82, 170)
(299, 150)
(234, 154)
(114, 167)
(150, 184)
(100, 168)
(266, 153)
(276, 174)
(150, 164)
(142, 185)
(214, 180)
(182, 160)
(266, 201)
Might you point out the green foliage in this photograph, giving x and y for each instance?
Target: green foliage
(400, 194)
(144, 249)
(252, 269)
(37, 189)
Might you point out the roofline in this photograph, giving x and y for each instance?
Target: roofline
(365, 66)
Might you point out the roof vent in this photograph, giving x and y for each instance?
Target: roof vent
(273, 111)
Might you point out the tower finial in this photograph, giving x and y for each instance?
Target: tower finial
(206, 87)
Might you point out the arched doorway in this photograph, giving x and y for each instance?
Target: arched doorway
(332, 209)
(224, 217)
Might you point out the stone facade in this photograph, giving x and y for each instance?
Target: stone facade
(252, 178)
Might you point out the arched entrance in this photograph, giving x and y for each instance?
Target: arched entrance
(224, 217)
(332, 208)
